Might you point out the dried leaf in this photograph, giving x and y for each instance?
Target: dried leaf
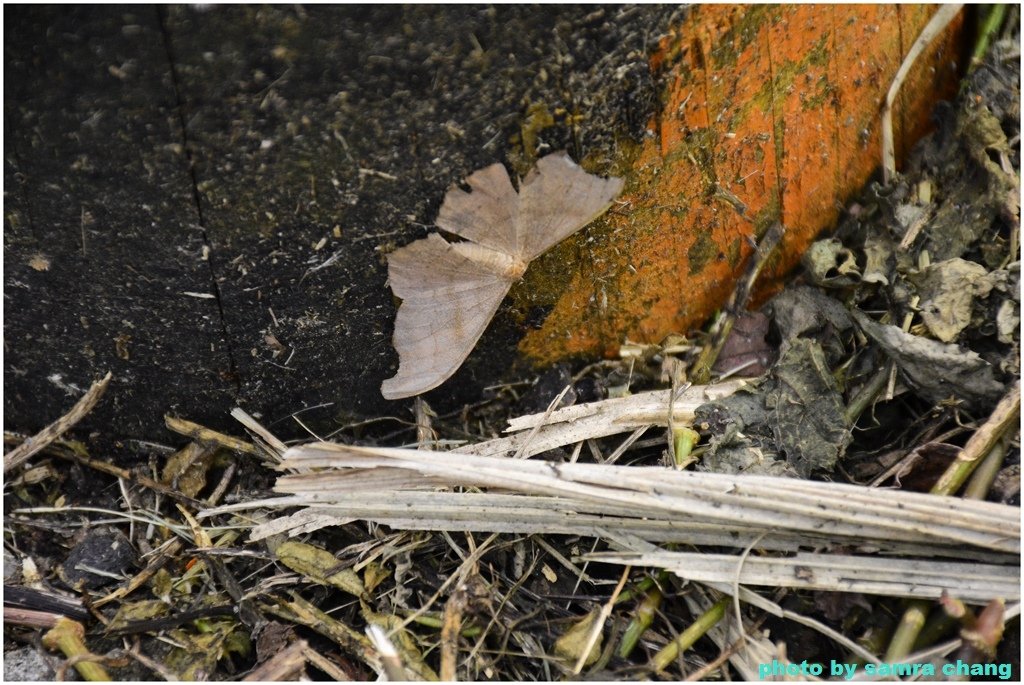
(1007, 321)
(39, 262)
(137, 611)
(746, 347)
(319, 565)
(450, 291)
(830, 265)
(878, 259)
(186, 469)
(571, 644)
(937, 370)
(803, 311)
(947, 292)
(795, 412)
(197, 657)
(976, 190)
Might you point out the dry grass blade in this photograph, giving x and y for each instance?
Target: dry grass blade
(527, 515)
(206, 436)
(637, 505)
(390, 661)
(970, 549)
(943, 16)
(595, 632)
(972, 583)
(274, 448)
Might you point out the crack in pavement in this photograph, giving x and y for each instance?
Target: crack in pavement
(180, 103)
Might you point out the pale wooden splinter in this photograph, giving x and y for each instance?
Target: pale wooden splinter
(450, 291)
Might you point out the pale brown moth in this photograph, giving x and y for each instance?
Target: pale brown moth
(450, 291)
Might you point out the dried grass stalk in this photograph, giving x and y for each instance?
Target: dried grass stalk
(969, 582)
(545, 431)
(634, 506)
(478, 488)
(832, 510)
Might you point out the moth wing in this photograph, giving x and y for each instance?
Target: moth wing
(487, 215)
(447, 302)
(556, 199)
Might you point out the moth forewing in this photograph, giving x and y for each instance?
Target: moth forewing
(487, 215)
(450, 291)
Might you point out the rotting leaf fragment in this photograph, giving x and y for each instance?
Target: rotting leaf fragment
(450, 291)
(937, 370)
(948, 290)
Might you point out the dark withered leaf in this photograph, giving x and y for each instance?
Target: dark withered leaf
(735, 453)
(746, 346)
(806, 408)
(976, 190)
(797, 411)
(741, 438)
(800, 310)
(803, 311)
(936, 370)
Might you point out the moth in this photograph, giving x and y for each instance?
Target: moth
(451, 290)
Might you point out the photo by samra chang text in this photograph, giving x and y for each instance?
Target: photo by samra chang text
(776, 669)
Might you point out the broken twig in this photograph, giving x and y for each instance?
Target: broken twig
(44, 437)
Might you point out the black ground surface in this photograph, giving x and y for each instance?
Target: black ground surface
(171, 173)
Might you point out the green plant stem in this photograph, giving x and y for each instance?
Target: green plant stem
(683, 441)
(980, 483)
(1004, 417)
(641, 621)
(69, 637)
(907, 631)
(989, 27)
(438, 623)
(664, 658)
(983, 447)
(863, 399)
(938, 626)
(640, 588)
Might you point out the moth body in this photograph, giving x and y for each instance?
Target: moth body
(504, 265)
